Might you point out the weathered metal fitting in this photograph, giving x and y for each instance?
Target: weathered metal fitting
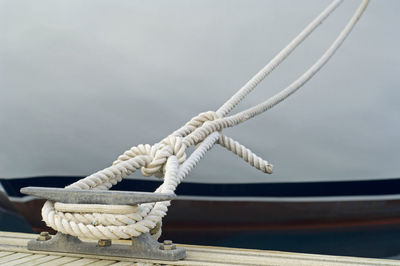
(167, 242)
(143, 246)
(167, 245)
(44, 236)
(84, 196)
(104, 243)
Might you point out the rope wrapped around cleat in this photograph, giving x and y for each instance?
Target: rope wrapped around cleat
(168, 159)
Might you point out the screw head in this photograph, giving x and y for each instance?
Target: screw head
(43, 236)
(167, 242)
(167, 245)
(104, 243)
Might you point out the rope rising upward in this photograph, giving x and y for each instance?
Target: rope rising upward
(167, 159)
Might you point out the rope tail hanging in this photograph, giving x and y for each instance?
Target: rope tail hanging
(167, 159)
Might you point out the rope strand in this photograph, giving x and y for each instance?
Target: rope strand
(285, 52)
(168, 158)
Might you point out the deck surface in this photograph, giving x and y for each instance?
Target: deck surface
(13, 252)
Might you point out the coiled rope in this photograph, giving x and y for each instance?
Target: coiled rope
(167, 159)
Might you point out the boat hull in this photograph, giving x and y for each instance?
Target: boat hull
(266, 206)
(206, 215)
(340, 218)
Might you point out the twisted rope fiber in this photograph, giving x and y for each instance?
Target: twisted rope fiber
(167, 159)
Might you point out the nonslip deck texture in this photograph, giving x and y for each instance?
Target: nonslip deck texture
(13, 252)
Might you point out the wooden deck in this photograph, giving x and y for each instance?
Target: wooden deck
(13, 252)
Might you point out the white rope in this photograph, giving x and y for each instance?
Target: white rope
(167, 158)
(256, 79)
(99, 208)
(245, 154)
(219, 124)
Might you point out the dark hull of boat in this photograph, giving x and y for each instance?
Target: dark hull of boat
(250, 206)
(356, 228)
(358, 218)
(10, 219)
(237, 190)
(204, 215)
(263, 205)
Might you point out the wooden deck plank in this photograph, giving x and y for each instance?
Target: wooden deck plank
(42, 260)
(60, 261)
(13, 241)
(5, 253)
(125, 263)
(122, 263)
(12, 257)
(83, 261)
(102, 263)
(15, 235)
(14, 248)
(23, 260)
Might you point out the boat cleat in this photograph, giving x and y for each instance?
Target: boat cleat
(144, 246)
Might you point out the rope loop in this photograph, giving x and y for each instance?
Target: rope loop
(162, 160)
(167, 159)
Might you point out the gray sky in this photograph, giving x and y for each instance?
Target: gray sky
(82, 81)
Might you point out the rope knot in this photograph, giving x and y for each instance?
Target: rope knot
(170, 152)
(195, 123)
(174, 144)
(160, 152)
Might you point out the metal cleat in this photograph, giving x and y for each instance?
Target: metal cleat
(84, 196)
(144, 246)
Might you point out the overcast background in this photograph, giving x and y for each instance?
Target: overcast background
(82, 81)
